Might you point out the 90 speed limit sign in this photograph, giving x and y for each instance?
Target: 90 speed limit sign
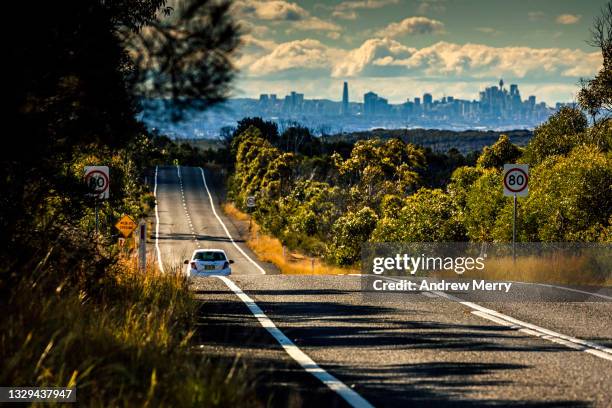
(516, 180)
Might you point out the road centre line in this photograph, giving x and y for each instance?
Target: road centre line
(307, 363)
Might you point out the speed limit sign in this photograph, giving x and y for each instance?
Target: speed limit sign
(98, 181)
(516, 180)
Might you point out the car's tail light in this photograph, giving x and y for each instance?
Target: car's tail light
(226, 265)
(194, 265)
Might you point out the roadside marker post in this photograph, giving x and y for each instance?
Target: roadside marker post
(142, 245)
(516, 184)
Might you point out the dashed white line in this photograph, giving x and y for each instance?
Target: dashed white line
(212, 205)
(307, 363)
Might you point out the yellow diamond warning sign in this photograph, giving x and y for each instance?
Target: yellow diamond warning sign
(126, 225)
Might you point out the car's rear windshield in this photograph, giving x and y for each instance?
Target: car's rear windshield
(209, 256)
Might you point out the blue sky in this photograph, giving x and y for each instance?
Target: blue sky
(401, 48)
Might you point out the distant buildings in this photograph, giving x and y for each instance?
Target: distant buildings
(345, 100)
(496, 106)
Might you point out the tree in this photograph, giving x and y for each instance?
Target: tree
(183, 56)
(349, 233)
(595, 95)
(503, 151)
(376, 168)
(483, 202)
(570, 198)
(427, 216)
(558, 135)
(268, 129)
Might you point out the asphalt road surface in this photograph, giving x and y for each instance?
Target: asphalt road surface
(318, 341)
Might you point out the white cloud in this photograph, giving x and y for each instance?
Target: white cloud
(251, 50)
(443, 61)
(431, 6)
(480, 61)
(277, 11)
(271, 10)
(568, 18)
(345, 14)
(535, 15)
(314, 24)
(487, 30)
(375, 51)
(304, 55)
(255, 29)
(364, 4)
(412, 25)
(347, 10)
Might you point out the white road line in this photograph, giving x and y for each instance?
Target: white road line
(565, 288)
(534, 330)
(212, 205)
(529, 328)
(159, 260)
(308, 364)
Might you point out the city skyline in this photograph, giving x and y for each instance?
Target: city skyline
(294, 97)
(394, 47)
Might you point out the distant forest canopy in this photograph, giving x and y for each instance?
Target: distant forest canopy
(438, 140)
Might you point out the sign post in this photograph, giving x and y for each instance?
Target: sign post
(516, 184)
(250, 203)
(98, 180)
(142, 245)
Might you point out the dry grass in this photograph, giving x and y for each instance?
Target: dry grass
(563, 270)
(567, 270)
(129, 345)
(270, 249)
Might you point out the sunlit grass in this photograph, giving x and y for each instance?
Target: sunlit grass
(270, 249)
(129, 345)
(562, 269)
(559, 269)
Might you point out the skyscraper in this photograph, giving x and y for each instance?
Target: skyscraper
(369, 103)
(427, 101)
(345, 100)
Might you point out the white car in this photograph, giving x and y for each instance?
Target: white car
(208, 262)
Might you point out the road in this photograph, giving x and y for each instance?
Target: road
(316, 340)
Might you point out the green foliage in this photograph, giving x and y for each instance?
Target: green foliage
(349, 232)
(376, 168)
(570, 198)
(428, 215)
(483, 201)
(596, 94)
(502, 152)
(558, 135)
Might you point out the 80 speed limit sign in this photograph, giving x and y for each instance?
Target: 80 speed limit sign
(516, 180)
(97, 179)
